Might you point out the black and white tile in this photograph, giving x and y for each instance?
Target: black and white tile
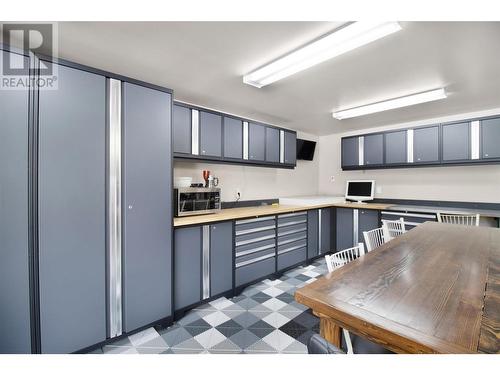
(265, 318)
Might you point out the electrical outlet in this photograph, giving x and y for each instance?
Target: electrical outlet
(332, 179)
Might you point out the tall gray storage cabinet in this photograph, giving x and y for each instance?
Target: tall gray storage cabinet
(147, 202)
(14, 268)
(72, 207)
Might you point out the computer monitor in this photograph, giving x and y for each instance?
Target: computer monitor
(360, 190)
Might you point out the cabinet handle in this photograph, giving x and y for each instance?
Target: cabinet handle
(486, 154)
(418, 159)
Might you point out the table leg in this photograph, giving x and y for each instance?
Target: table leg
(329, 330)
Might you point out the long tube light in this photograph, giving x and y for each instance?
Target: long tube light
(336, 43)
(404, 101)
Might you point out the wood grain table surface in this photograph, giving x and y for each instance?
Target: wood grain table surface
(435, 289)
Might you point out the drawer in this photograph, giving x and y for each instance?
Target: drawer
(259, 252)
(292, 229)
(292, 246)
(409, 218)
(292, 258)
(255, 237)
(251, 272)
(254, 246)
(259, 222)
(289, 219)
(290, 238)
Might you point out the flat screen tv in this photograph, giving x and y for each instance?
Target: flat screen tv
(305, 149)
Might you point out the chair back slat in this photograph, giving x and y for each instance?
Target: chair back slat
(340, 258)
(374, 238)
(393, 228)
(471, 220)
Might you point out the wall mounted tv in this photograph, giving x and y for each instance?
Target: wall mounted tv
(305, 149)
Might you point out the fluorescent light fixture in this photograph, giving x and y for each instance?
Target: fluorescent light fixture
(404, 101)
(336, 43)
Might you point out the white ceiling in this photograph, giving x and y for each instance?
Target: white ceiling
(204, 62)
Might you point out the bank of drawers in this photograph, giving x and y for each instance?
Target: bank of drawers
(292, 239)
(412, 219)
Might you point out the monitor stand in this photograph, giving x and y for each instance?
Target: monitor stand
(361, 202)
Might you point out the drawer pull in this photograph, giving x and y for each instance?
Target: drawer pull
(251, 261)
(284, 242)
(253, 240)
(254, 230)
(254, 250)
(292, 215)
(397, 213)
(291, 232)
(248, 221)
(291, 249)
(291, 223)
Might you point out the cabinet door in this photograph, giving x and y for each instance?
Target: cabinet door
(290, 148)
(367, 220)
(256, 142)
(326, 233)
(147, 246)
(350, 152)
(426, 145)
(72, 211)
(210, 134)
(456, 141)
(395, 147)
(14, 264)
(221, 258)
(272, 145)
(490, 138)
(233, 138)
(344, 228)
(373, 149)
(181, 129)
(312, 234)
(187, 266)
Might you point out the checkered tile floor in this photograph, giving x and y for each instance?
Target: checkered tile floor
(263, 319)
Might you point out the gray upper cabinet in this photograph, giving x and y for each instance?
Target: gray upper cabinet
(233, 138)
(210, 134)
(395, 147)
(456, 141)
(256, 142)
(221, 257)
(373, 149)
(290, 148)
(147, 246)
(426, 144)
(72, 211)
(14, 265)
(272, 144)
(350, 152)
(490, 138)
(181, 129)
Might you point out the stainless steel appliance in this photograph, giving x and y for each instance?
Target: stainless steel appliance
(196, 201)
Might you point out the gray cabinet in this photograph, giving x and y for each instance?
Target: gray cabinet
(221, 257)
(350, 152)
(187, 266)
(367, 220)
(312, 233)
(14, 264)
(147, 245)
(395, 147)
(210, 134)
(456, 141)
(490, 138)
(344, 228)
(72, 211)
(233, 138)
(272, 145)
(351, 223)
(326, 235)
(373, 149)
(256, 142)
(290, 147)
(426, 144)
(181, 129)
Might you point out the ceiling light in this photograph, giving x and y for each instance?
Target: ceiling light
(341, 41)
(404, 101)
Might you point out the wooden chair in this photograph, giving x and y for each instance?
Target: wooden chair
(393, 228)
(337, 260)
(472, 220)
(374, 238)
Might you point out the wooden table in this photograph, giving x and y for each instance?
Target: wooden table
(436, 289)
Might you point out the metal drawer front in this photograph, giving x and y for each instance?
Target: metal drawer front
(298, 216)
(253, 247)
(291, 223)
(291, 246)
(283, 240)
(253, 257)
(292, 258)
(255, 237)
(240, 232)
(408, 217)
(292, 229)
(248, 273)
(254, 220)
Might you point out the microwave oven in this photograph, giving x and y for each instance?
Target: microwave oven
(196, 201)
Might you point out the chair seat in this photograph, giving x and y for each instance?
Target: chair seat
(318, 345)
(363, 346)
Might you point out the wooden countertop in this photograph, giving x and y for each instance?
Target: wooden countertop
(248, 212)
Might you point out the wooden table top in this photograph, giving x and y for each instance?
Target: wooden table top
(422, 292)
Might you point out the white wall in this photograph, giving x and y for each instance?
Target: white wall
(480, 183)
(258, 182)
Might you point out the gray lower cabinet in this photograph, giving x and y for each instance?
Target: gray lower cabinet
(455, 141)
(272, 145)
(367, 220)
(14, 264)
(256, 142)
(326, 235)
(373, 149)
(181, 130)
(344, 228)
(72, 211)
(426, 144)
(290, 148)
(210, 134)
(350, 152)
(147, 246)
(312, 233)
(233, 138)
(490, 138)
(221, 257)
(395, 147)
(187, 266)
